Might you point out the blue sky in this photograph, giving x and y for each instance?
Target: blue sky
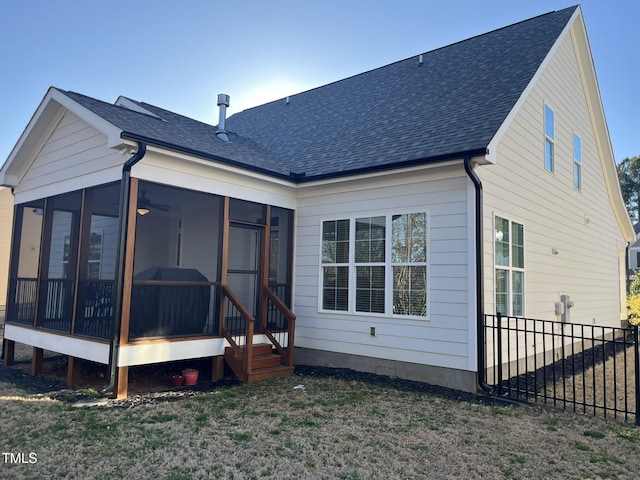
(180, 55)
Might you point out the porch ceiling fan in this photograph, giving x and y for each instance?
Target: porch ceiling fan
(145, 205)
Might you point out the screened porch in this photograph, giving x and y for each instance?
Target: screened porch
(180, 248)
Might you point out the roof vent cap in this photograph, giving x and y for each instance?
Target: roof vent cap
(223, 103)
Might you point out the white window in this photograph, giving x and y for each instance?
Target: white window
(370, 264)
(577, 162)
(549, 138)
(509, 267)
(376, 265)
(335, 265)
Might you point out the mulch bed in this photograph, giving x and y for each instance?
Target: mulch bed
(152, 383)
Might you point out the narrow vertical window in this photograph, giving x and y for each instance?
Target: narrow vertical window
(549, 134)
(369, 263)
(409, 263)
(509, 267)
(577, 162)
(335, 265)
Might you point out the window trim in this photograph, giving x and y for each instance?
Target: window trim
(388, 265)
(510, 269)
(549, 140)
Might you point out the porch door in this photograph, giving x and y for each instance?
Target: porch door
(243, 268)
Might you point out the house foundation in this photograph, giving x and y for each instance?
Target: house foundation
(443, 377)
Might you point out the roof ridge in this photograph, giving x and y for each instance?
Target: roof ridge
(418, 54)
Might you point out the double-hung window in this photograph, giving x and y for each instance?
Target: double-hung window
(549, 138)
(509, 267)
(370, 264)
(376, 265)
(409, 261)
(335, 265)
(577, 162)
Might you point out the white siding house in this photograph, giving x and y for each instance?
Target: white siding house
(370, 223)
(575, 234)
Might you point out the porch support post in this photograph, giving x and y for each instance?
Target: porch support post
(217, 368)
(122, 390)
(36, 361)
(264, 272)
(224, 261)
(128, 263)
(9, 348)
(73, 371)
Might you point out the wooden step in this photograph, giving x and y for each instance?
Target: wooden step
(265, 364)
(264, 361)
(262, 349)
(268, 372)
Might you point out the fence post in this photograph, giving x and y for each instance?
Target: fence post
(499, 348)
(636, 358)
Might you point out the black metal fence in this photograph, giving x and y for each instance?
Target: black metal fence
(589, 369)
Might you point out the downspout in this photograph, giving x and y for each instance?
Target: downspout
(119, 277)
(479, 274)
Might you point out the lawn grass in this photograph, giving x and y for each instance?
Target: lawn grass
(338, 426)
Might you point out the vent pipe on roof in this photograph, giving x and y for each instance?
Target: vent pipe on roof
(223, 103)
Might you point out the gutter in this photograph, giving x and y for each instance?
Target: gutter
(125, 194)
(479, 276)
(299, 178)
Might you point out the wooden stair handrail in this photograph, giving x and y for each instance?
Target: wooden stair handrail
(291, 319)
(249, 326)
(236, 301)
(279, 304)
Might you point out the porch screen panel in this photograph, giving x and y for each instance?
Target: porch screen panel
(23, 282)
(280, 253)
(280, 265)
(98, 262)
(59, 262)
(176, 272)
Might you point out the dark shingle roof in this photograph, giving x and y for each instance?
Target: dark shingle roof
(454, 102)
(406, 112)
(183, 134)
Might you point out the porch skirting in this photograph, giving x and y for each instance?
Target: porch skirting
(444, 377)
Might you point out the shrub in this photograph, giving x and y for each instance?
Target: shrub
(633, 309)
(634, 286)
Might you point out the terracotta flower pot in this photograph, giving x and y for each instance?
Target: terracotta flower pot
(190, 376)
(177, 380)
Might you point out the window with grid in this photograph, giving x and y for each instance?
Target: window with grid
(509, 267)
(381, 268)
(369, 264)
(335, 265)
